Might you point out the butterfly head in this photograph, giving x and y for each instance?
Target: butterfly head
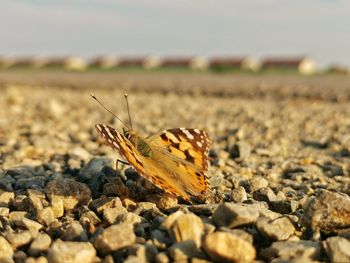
(129, 133)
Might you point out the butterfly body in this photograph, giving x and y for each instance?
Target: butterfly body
(174, 160)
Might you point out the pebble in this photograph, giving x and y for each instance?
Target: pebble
(265, 194)
(57, 206)
(275, 229)
(185, 250)
(4, 211)
(46, 216)
(234, 215)
(6, 250)
(6, 198)
(40, 244)
(18, 239)
(71, 252)
(238, 195)
(71, 192)
(187, 227)
(93, 167)
(240, 150)
(99, 205)
(143, 253)
(74, 232)
(129, 218)
(31, 224)
(226, 247)
(256, 183)
(326, 212)
(337, 249)
(115, 237)
(304, 250)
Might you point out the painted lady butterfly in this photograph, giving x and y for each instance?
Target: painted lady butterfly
(174, 160)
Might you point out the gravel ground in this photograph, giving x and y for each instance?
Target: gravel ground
(279, 168)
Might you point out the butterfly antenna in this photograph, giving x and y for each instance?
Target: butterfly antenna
(93, 96)
(127, 105)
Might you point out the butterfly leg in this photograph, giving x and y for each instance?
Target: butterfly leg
(119, 161)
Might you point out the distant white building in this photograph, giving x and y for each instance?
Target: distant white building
(304, 65)
(227, 62)
(105, 62)
(199, 63)
(70, 63)
(151, 62)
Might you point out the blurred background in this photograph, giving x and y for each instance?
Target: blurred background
(246, 36)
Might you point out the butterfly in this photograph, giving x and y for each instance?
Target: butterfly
(174, 160)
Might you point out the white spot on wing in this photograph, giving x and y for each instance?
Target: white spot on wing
(187, 133)
(199, 144)
(108, 132)
(196, 131)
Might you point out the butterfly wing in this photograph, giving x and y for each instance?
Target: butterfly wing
(185, 153)
(165, 169)
(191, 145)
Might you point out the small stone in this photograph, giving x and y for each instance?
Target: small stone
(4, 211)
(161, 239)
(16, 217)
(71, 192)
(238, 195)
(240, 150)
(74, 232)
(276, 229)
(36, 203)
(20, 256)
(188, 227)
(89, 217)
(115, 237)
(264, 194)
(21, 203)
(6, 183)
(99, 205)
(6, 250)
(144, 253)
(289, 250)
(164, 201)
(184, 250)
(19, 239)
(46, 216)
(6, 198)
(40, 244)
(35, 182)
(242, 234)
(31, 224)
(221, 246)
(110, 214)
(36, 260)
(71, 252)
(115, 187)
(57, 206)
(284, 206)
(326, 212)
(129, 218)
(256, 183)
(162, 258)
(337, 249)
(203, 209)
(93, 167)
(234, 215)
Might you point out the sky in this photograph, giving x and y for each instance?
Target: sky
(259, 28)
